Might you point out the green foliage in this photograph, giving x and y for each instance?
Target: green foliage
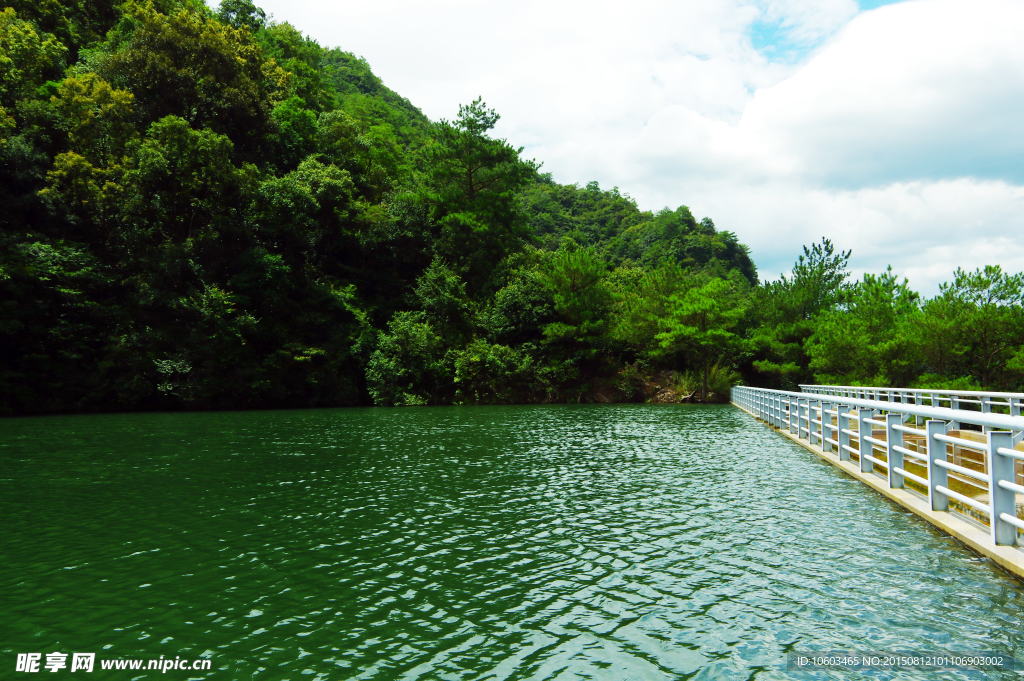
(205, 209)
(785, 312)
(75, 24)
(441, 294)
(643, 302)
(576, 279)
(980, 324)
(938, 381)
(472, 182)
(881, 333)
(407, 368)
(55, 302)
(496, 374)
(720, 379)
(700, 324)
(28, 57)
(242, 14)
(623, 234)
(178, 183)
(98, 119)
(870, 337)
(187, 65)
(296, 132)
(520, 310)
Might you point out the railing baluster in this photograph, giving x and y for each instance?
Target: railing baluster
(813, 430)
(893, 439)
(937, 475)
(827, 432)
(866, 449)
(844, 437)
(803, 419)
(1001, 468)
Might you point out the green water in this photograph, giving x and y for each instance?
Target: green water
(546, 542)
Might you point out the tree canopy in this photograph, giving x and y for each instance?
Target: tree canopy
(205, 209)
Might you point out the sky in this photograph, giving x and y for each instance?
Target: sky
(892, 128)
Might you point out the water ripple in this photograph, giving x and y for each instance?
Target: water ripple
(555, 542)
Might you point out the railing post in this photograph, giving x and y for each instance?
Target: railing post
(866, 448)
(813, 430)
(1001, 467)
(794, 415)
(937, 475)
(844, 437)
(954, 403)
(893, 439)
(803, 415)
(986, 408)
(826, 427)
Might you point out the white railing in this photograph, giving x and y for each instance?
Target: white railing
(970, 400)
(926, 448)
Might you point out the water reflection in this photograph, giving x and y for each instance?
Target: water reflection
(549, 542)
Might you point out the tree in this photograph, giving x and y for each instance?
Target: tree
(643, 304)
(97, 117)
(206, 73)
(27, 57)
(242, 13)
(984, 315)
(75, 23)
(307, 216)
(700, 323)
(871, 338)
(296, 132)
(472, 182)
(203, 209)
(441, 294)
(576, 279)
(784, 312)
(406, 367)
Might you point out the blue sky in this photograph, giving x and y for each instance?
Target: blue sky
(872, 4)
(777, 42)
(893, 129)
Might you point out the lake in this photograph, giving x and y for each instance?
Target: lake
(560, 542)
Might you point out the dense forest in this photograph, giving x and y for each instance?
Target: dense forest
(204, 209)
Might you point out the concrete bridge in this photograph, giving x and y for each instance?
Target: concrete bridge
(955, 459)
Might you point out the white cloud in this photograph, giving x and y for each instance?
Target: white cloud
(913, 90)
(925, 230)
(899, 135)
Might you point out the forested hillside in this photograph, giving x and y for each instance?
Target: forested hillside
(201, 209)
